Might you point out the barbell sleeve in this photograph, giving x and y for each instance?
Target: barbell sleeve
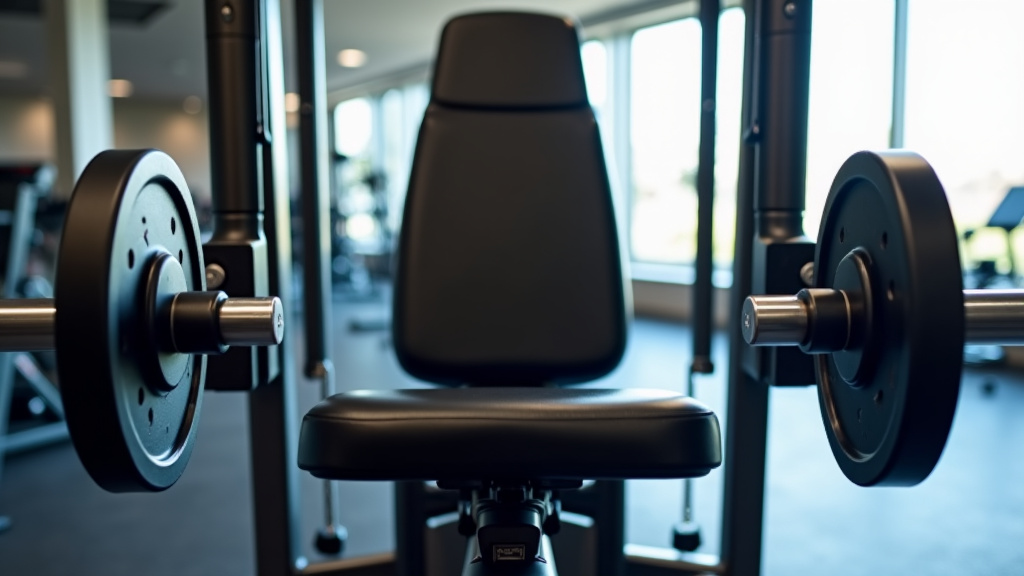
(990, 317)
(994, 317)
(27, 325)
(252, 321)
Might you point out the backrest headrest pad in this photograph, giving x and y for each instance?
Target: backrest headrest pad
(509, 60)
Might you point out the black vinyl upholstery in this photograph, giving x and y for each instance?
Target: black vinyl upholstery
(510, 433)
(509, 282)
(509, 270)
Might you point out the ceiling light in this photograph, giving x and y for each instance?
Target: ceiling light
(351, 58)
(119, 88)
(13, 69)
(291, 102)
(192, 105)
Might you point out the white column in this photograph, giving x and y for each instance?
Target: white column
(79, 68)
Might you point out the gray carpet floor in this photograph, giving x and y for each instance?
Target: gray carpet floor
(966, 519)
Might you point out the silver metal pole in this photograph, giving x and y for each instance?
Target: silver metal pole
(26, 324)
(251, 321)
(990, 317)
(994, 316)
(774, 321)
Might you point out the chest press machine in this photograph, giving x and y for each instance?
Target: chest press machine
(509, 287)
(509, 281)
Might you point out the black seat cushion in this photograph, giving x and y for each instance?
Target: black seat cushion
(509, 433)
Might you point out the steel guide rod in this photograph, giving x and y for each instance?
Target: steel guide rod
(990, 317)
(768, 211)
(710, 11)
(28, 324)
(316, 230)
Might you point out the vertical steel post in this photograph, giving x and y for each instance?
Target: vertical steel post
(899, 73)
(746, 422)
(316, 237)
(702, 286)
(236, 254)
(250, 185)
(770, 250)
(316, 227)
(273, 426)
(780, 151)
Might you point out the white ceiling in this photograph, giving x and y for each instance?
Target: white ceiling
(164, 58)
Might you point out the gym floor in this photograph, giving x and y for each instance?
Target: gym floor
(966, 519)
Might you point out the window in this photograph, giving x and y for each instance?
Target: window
(359, 235)
(664, 129)
(665, 136)
(851, 91)
(595, 71)
(965, 86)
(731, 27)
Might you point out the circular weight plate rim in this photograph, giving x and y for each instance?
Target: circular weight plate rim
(88, 322)
(924, 343)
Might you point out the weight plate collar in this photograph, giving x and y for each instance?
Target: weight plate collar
(890, 426)
(129, 210)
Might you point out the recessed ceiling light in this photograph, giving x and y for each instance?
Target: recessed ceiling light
(291, 102)
(13, 69)
(192, 105)
(119, 88)
(351, 58)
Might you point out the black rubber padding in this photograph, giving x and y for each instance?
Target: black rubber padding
(891, 426)
(129, 208)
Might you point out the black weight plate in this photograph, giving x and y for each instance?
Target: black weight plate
(890, 426)
(129, 209)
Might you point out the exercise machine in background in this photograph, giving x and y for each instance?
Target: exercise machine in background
(996, 268)
(31, 414)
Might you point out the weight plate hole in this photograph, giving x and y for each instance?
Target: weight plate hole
(142, 395)
(885, 240)
(131, 259)
(150, 416)
(879, 397)
(891, 292)
(174, 225)
(143, 219)
(842, 234)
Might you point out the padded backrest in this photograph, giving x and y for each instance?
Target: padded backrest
(509, 270)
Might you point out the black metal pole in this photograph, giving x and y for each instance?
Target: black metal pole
(746, 422)
(778, 133)
(273, 426)
(780, 157)
(250, 182)
(236, 254)
(316, 239)
(686, 534)
(702, 286)
(770, 250)
(232, 75)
